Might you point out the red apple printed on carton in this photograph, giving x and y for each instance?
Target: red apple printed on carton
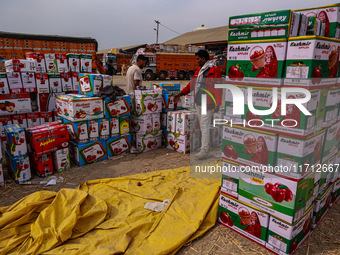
(229, 152)
(279, 192)
(317, 75)
(234, 73)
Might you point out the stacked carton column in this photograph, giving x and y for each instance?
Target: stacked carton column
(99, 129)
(146, 120)
(272, 192)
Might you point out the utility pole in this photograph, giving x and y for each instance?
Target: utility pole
(157, 22)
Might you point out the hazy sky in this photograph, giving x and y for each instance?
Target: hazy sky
(124, 23)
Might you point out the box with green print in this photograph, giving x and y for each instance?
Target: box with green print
(331, 143)
(299, 155)
(321, 207)
(330, 15)
(258, 33)
(90, 84)
(179, 143)
(335, 192)
(283, 198)
(256, 62)
(84, 154)
(284, 238)
(118, 146)
(262, 99)
(120, 107)
(311, 62)
(331, 106)
(147, 142)
(78, 131)
(79, 107)
(146, 102)
(249, 146)
(244, 219)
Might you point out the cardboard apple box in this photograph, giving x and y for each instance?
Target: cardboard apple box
(16, 140)
(20, 119)
(33, 119)
(66, 82)
(4, 88)
(73, 62)
(19, 168)
(75, 81)
(93, 129)
(39, 60)
(20, 65)
(61, 160)
(15, 104)
(114, 127)
(47, 101)
(4, 120)
(142, 124)
(119, 146)
(61, 62)
(51, 63)
(179, 143)
(85, 63)
(28, 82)
(55, 83)
(14, 82)
(45, 117)
(107, 80)
(42, 82)
(42, 165)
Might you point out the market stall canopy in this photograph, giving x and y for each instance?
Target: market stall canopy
(202, 37)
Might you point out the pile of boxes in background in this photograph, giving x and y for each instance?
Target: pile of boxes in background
(278, 207)
(98, 128)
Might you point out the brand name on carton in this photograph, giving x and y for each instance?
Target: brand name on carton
(322, 46)
(82, 105)
(261, 95)
(239, 33)
(274, 19)
(289, 141)
(239, 48)
(281, 224)
(234, 132)
(229, 201)
(299, 44)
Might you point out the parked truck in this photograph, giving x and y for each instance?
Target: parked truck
(118, 60)
(15, 45)
(164, 65)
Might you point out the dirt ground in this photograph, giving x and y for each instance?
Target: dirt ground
(219, 240)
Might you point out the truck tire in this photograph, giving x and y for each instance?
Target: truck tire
(162, 75)
(148, 75)
(190, 74)
(181, 76)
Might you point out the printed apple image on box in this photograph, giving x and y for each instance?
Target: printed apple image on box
(171, 121)
(168, 102)
(90, 84)
(183, 121)
(284, 238)
(15, 104)
(55, 83)
(66, 81)
(45, 117)
(39, 60)
(4, 87)
(85, 63)
(19, 168)
(75, 81)
(47, 101)
(107, 80)
(61, 62)
(20, 119)
(249, 147)
(51, 63)
(61, 160)
(20, 65)
(89, 153)
(4, 120)
(118, 147)
(81, 132)
(298, 154)
(179, 143)
(114, 127)
(104, 129)
(33, 119)
(28, 82)
(120, 107)
(14, 82)
(42, 82)
(16, 140)
(93, 130)
(247, 221)
(73, 62)
(42, 165)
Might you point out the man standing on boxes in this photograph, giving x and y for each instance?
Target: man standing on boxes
(204, 80)
(134, 74)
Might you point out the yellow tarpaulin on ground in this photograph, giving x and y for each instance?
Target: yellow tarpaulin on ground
(107, 216)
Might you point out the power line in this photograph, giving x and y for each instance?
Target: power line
(169, 28)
